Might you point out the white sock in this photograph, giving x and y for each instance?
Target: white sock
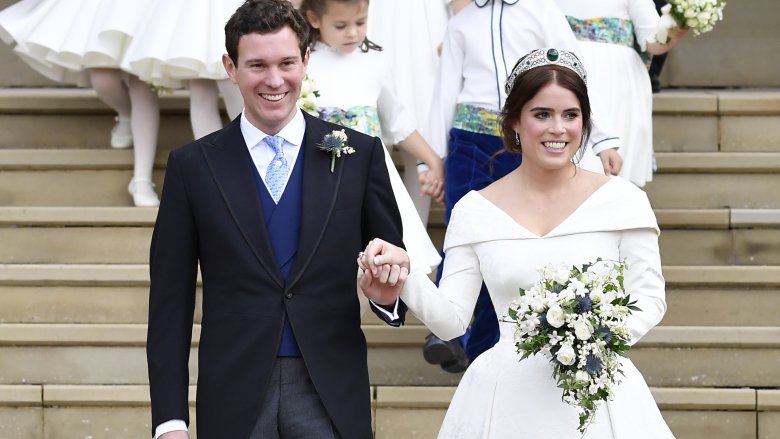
(421, 202)
(145, 124)
(111, 89)
(234, 102)
(204, 107)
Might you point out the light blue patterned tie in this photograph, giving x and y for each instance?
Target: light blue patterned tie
(277, 171)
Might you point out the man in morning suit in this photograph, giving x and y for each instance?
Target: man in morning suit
(275, 224)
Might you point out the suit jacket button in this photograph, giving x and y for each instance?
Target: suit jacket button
(288, 295)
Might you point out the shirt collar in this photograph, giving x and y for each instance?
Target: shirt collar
(292, 132)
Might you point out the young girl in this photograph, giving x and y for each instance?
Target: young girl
(81, 41)
(351, 76)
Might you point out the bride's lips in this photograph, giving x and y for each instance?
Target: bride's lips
(554, 145)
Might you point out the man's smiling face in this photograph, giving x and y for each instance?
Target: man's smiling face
(269, 73)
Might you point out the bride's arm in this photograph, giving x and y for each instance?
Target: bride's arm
(643, 279)
(446, 310)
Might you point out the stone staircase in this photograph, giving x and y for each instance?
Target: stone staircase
(74, 279)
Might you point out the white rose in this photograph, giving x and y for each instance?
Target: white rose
(561, 275)
(566, 355)
(307, 86)
(555, 316)
(582, 330)
(566, 295)
(582, 376)
(692, 23)
(537, 304)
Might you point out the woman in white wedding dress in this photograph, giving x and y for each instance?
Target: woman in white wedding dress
(546, 211)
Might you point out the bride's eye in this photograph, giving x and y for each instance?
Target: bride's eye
(541, 115)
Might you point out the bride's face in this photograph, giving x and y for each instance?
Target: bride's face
(550, 127)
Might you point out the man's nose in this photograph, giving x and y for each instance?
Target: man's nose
(274, 78)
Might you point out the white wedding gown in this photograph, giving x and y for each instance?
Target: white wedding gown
(499, 396)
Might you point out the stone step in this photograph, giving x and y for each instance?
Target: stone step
(82, 177)
(690, 412)
(715, 180)
(116, 235)
(671, 356)
(685, 120)
(716, 120)
(130, 245)
(76, 118)
(122, 411)
(111, 293)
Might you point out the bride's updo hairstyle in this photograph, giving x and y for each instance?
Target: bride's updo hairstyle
(531, 73)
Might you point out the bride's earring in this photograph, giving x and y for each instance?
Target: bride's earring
(517, 142)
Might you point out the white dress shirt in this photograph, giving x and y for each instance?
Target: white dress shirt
(263, 155)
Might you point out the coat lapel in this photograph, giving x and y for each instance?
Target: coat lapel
(320, 188)
(228, 159)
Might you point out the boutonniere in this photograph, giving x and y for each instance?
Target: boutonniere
(336, 144)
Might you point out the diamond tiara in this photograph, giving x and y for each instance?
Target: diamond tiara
(544, 57)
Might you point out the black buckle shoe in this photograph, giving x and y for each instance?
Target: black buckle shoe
(448, 354)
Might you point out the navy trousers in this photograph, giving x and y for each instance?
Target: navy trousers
(472, 164)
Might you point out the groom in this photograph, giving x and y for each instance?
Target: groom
(275, 224)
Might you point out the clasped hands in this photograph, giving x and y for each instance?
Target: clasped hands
(385, 268)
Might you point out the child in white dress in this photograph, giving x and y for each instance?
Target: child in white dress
(83, 42)
(351, 77)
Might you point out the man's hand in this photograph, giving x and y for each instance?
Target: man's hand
(178, 434)
(385, 268)
(611, 161)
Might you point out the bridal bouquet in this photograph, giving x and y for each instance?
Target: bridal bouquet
(577, 317)
(698, 15)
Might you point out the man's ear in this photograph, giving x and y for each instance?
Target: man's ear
(230, 68)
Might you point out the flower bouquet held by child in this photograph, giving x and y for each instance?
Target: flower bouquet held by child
(577, 317)
(697, 15)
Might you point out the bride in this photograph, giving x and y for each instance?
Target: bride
(546, 211)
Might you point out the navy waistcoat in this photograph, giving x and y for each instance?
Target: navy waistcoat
(283, 223)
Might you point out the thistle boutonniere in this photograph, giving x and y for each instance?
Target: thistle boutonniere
(335, 143)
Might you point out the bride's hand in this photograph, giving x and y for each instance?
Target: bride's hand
(385, 268)
(379, 255)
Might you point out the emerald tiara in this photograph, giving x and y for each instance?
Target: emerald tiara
(544, 57)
